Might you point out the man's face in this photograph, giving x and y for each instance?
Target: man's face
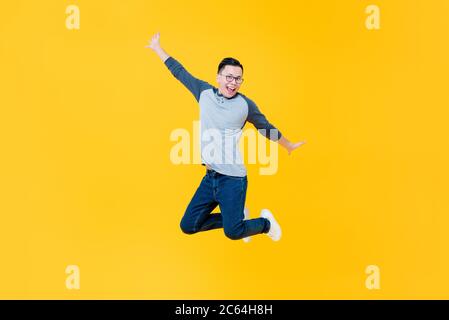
(229, 88)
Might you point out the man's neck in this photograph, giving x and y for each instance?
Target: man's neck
(219, 90)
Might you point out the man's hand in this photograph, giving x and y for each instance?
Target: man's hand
(290, 146)
(156, 46)
(294, 146)
(154, 42)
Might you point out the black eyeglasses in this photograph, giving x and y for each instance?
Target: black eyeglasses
(229, 78)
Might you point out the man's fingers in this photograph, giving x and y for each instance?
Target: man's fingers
(300, 143)
(295, 146)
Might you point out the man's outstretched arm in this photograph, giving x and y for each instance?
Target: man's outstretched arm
(259, 120)
(194, 85)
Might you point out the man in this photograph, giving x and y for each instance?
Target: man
(224, 110)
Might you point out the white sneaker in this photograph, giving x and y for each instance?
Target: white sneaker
(275, 229)
(246, 213)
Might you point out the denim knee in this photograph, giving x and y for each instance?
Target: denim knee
(233, 234)
(186, 227)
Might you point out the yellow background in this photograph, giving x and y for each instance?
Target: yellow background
(85, 175)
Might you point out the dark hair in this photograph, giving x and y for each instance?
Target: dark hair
(229, 62)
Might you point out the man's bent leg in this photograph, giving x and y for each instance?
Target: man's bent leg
(197, 216)
(231, 196)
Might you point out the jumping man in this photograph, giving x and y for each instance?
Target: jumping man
(225, 111)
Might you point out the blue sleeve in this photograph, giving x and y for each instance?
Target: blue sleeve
(261, 123)
(195, 86)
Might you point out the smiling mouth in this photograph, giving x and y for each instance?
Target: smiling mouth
(231, 90)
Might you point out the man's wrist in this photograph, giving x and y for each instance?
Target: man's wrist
(285, 142)
(161, 53)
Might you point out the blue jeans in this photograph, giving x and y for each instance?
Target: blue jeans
(229, 193)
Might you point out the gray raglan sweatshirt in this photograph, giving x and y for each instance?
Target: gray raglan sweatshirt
(221, 122)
